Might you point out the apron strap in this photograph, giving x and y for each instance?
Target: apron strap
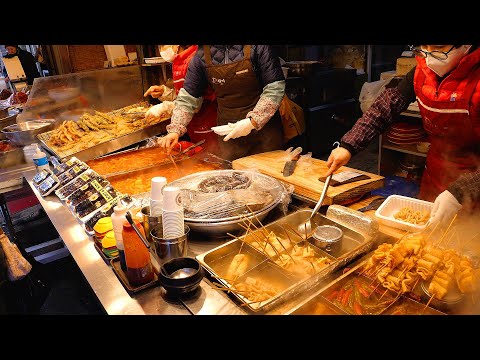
(208, 57)
(246, 51)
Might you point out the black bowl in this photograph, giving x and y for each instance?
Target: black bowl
(178, 282)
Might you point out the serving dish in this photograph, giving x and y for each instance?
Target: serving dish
(272, 267)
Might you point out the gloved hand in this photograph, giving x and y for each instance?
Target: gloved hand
(240, 128)
(154, 111)
(444, 208)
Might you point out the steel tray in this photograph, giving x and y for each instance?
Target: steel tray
(217, 260)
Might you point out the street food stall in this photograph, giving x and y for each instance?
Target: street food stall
(253, 243)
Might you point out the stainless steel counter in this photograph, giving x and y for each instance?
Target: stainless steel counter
(105, 284)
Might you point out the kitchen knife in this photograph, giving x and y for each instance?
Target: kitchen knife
(374, 205)
(290, 165)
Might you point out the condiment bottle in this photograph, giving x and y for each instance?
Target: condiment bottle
(137, 256)
(40, 160)
(118, 218)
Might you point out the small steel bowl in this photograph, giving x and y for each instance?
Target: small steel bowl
(328, 238)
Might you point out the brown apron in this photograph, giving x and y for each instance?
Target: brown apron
(238, 90)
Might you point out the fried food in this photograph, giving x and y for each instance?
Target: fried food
(238, 266)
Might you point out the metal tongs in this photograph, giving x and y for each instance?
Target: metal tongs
(308, 223)
(129, 218)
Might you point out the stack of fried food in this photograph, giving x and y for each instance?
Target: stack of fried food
(399, 267)
(92, 129)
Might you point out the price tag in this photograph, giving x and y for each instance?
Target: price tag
(85, 177)
(106, 195)
(96, 185)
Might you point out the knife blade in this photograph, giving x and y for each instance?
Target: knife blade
(290, 165)
(374, 205)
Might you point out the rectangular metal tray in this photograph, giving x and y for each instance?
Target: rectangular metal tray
(107, 146)
(123, 278)
(217, 260)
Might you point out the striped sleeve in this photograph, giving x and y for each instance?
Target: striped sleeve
(466, 188)
(381, 114)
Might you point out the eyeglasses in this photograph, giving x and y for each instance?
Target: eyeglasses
(439, 55)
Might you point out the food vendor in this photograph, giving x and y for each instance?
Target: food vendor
(445, 83)
(202, 121)
(249, 85)
(26, 59)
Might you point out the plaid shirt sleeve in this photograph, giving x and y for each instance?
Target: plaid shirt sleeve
(466, 188)
(381, 114)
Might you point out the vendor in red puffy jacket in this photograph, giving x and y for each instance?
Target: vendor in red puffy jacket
(200, 126)
(446, 85)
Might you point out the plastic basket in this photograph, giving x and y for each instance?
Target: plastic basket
(394, 203)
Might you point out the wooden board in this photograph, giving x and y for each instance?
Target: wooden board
(305, 177)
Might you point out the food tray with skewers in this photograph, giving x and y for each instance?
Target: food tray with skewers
(354, 294)
(250, 267)
(429, 267)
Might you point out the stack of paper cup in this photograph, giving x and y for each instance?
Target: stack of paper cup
(172, 213)
(156, 196)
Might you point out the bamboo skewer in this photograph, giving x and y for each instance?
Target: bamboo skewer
(434, 228)
(428, 303)
(446, 231)
(375, 289)
(258, 242)
(465, 243)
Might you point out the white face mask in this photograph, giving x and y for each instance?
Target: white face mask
(442, 67)
(168, 55)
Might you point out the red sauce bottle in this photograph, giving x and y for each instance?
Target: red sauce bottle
(137, 256)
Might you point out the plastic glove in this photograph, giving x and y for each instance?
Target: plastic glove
(241, 128)
(444, 208)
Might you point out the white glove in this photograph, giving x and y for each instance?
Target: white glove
(444, 208)
(240, 128)
(155, 110)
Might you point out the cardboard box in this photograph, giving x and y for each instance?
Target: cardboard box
(404, 65)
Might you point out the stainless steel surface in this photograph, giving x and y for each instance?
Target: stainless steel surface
(167, 249)
(26, 132)
(103, 281)
(149, 222)
(108, 146)
(354, 245)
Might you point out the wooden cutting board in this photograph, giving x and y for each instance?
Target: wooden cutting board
(305, 177)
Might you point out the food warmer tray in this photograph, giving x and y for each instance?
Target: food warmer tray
(107, 146)
(322, 302)
(217, 260)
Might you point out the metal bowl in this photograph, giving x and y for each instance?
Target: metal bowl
(328, 238)
(26, 132)
(7, 118)
(11, 157)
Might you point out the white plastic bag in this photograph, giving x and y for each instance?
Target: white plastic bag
(369, 92)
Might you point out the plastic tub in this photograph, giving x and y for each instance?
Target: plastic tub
(393, 204)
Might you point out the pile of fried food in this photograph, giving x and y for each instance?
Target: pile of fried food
(92, 129)
(401, 266)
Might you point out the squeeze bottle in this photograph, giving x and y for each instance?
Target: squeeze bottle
(118, 218)
(40, 160)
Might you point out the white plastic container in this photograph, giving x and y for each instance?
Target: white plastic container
(156, 196)
(393, 204)
(40, 160)
(29, 151)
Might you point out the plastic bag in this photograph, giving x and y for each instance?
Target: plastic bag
(369, 92)
(293, 120)
(17, 266)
